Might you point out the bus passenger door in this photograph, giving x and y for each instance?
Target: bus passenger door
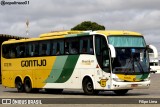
(103, 59)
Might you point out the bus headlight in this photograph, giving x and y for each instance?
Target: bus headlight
(118, 80)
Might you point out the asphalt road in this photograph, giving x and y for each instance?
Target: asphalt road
(76, 96)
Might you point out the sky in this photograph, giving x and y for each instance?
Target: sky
(141, 16)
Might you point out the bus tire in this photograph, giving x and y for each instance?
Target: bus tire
(19, 85)
(27, 85)
(88, 87)
(121, 92)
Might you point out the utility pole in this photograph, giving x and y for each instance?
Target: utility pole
(27, 28)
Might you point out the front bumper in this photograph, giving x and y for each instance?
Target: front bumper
(130, 85)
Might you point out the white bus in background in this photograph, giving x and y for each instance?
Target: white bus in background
(154, 60)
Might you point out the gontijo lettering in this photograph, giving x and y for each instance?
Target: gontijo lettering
(33, 63)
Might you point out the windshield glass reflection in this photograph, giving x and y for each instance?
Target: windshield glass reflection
(131, 61)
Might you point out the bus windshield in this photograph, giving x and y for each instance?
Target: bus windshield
(131, 55)
(127, 41)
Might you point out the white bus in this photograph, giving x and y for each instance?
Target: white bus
(93, 61)
(154, 59)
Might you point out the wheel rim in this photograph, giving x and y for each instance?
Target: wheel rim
(89, 86)
(19, 85)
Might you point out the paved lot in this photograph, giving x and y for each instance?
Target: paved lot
(152, 92)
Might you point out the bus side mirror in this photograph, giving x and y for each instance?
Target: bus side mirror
(154, 50)
(113, 51)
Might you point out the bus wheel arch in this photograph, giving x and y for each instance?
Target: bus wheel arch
(19, 85)
(88, 86)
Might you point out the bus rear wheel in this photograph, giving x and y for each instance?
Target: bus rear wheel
(121, 92)
(27, 85)
(19, 85)
(88, 87)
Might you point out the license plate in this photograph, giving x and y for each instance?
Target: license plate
(134, 85)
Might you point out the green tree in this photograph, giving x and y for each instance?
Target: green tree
(88, 25)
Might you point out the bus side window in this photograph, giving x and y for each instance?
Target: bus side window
(9, 51)
(86, 45)
(30, 49)
(48, 48)
(6, 51)
(61, 47)
(57, 47)
(72, 46)
(67, 48)
(36, 49)
(33, 49)
(20, 49)
(44, 48)
(12, 53)
(53, 48)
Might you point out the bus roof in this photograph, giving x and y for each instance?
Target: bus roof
(66, 34)
(104, 32)
(118, 32)
(59, 33)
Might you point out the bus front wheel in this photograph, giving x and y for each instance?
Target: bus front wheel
(121, 92)
(88, 87)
